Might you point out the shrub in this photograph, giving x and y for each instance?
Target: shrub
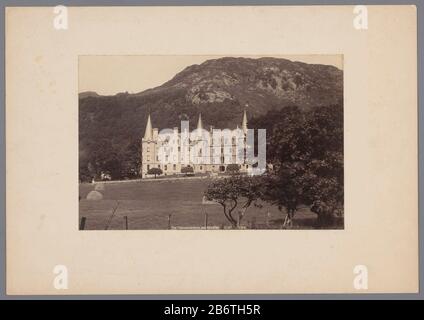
(155, 171)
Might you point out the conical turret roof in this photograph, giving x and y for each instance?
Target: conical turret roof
(199, 122)
(148, 134)
(244, 122)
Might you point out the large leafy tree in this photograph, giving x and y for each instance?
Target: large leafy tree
(286, 189)
(326, 179)
(307, 150)
(121, 161)
(325, 187)
(130, 159)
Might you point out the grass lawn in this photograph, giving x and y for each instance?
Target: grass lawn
(148, 204)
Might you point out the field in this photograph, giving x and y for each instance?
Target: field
(176, 203)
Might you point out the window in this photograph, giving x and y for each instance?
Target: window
(175, 167)
(159, 166)
(148, 149)
(201, 168)
(148, 158)
(148, 167)
(166, 167)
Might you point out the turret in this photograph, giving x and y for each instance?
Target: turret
(148, 134)
(199, 123)
(244, 122)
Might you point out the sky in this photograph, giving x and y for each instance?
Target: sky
(108, 75)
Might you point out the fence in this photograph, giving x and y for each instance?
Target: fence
(249, 225)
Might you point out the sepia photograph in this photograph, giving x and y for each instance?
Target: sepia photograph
(215, 151)
(211, 143)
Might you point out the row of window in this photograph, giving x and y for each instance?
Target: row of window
(214, 141)
(174, 167)
(167, 159)
(148, 149)
(200, 151)
(165, 167)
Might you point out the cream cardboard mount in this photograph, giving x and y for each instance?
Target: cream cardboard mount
(376, 252)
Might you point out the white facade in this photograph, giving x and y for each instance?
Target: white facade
(206, 151)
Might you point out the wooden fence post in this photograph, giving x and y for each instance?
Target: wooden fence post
(82, 223)
(169, 221)
(206, 220)
(267, 219)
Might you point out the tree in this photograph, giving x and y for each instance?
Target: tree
(155, 171)
(233, 168)
(287, 149)
(130, 159)
(288, 140)
(307, 150)
(84, 172)
(287, 189)
(326, 178)
(326, 192)
(187, 170)
(112, 166)
(235, 194)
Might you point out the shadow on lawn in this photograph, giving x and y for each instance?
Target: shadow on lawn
(304, 223)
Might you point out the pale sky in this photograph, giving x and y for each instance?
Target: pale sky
(108, 75)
